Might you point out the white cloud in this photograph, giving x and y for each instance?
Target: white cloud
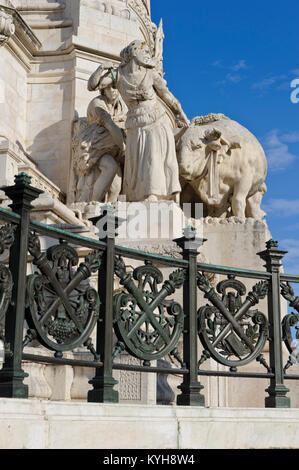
(217, 63)
(292, 245)
(239, 66)
(284, 86)
(292, 227)
(268, 82)
(234, 78)
(282, 207)
(291, 137)
(262, 85)
(277, 151)
(291, 260)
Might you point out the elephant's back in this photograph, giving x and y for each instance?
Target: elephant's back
(233, 132)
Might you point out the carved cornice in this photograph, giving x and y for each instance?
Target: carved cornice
(7, 27)
(12, 24)
(141, 10)
(147, 5)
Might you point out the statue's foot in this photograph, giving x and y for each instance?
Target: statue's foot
(151, 198)
(176, 197)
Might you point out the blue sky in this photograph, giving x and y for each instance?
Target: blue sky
(239, 58)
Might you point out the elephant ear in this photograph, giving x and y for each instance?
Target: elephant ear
(235, 145)
(212, 134)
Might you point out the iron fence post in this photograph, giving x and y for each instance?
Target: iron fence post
(12, 374)
(190, 386)
(277, 391)
(103, 382)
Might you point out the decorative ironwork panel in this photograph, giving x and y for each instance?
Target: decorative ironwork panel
(6, 283)
(146, 324)
(229, 330)
(62, 307)
(290, 325)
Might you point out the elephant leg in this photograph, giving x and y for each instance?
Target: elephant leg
(253, 208)
(241, 191)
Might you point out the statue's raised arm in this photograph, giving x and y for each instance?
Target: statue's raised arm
(106, 75)
(160, 87)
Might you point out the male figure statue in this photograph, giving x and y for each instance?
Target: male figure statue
(100, 145)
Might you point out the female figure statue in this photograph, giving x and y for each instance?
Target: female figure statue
(151, 169)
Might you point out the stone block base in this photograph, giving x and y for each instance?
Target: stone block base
(37, 424)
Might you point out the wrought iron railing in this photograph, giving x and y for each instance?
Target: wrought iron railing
(62, 309)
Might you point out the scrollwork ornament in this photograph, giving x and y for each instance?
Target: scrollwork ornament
(6, 282)
(230, 332)
(62, 307)
(6, 237)
(290, 323)
(145, 321)
(288, 293)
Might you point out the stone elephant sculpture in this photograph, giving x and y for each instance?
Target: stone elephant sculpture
(223, 166)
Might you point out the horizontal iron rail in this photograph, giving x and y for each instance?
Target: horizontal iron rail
(160, 370)
(210, 268)
(70, 237)
(289, 277)
(212, 373)
(137, 254)
(60, 361)
(143, 255)
(291, 377)
(9, 216)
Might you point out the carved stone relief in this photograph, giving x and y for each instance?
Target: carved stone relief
(7, 27)
(115, 8)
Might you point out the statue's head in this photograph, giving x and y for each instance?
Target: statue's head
(101, 80)
(110, 92)
(140, 52)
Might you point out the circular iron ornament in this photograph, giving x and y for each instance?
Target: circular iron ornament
(149, 325)
(210, 325)
(61, 308)
(230, 332)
